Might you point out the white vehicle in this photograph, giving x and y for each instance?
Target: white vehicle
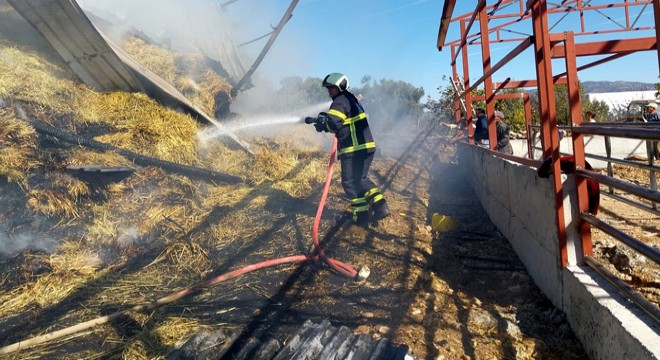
(636, 111)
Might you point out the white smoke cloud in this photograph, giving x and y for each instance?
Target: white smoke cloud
(15, 243)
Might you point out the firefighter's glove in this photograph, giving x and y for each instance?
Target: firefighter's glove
(321, 124)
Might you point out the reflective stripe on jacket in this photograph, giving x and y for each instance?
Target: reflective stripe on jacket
(349, 123)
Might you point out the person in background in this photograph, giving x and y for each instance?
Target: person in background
(355, 149)
(481, 129)
(502, 129)
(651, 113)
(590, 116)
(653, 117)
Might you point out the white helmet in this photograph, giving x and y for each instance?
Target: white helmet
(336, 79)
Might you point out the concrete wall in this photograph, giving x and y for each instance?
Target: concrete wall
(621, 148)
(521, 205)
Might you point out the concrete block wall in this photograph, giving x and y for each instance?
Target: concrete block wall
(621, 148)
(521, 205)
(607, 325)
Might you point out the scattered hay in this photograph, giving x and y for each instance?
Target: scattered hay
(142, 125)
(71, 268)
(155, 58)
(217, 157)
(17, 149)
(30, 78)
(59, 200)
(153, 232)
(83, 157)
(189, 73)
(211, 84)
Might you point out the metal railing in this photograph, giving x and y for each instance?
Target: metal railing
(644, 131)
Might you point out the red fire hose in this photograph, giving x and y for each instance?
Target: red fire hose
(318, 253)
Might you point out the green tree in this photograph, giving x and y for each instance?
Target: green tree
(513, 109)
(295, 93)
(561, 105)
(599, 108)
(394, 104)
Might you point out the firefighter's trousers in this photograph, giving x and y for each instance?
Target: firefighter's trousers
(359, 189)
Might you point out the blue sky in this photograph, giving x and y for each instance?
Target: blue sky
(393, 39)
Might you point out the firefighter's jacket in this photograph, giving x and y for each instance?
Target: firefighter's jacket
(348, 121)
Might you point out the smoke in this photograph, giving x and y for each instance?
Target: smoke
(184, 26)
(129, 237)
(15, 243)
(394, 120)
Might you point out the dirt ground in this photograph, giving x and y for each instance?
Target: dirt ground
(639, 272)
(460, 294)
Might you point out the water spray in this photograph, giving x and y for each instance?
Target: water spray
(248, 122)
(259, 122)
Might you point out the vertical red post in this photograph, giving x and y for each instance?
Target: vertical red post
(466, 85)
(575, 106)
(528, 122)
(656, 16)
(488, 83)
(548, 115)
(455, 79)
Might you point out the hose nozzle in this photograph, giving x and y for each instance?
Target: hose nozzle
(363, 274)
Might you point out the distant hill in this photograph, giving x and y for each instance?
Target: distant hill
(615, 86)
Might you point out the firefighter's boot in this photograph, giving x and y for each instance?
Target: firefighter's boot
(380, 210)
(361, 218)
(360, 210)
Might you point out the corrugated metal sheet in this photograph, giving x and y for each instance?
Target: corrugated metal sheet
(100, 63)
(76, 40)
(217, 45)
(312, 342)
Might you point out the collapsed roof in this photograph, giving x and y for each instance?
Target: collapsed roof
(97, 61)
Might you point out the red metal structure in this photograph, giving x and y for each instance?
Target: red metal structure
(564, 35)
(547, 45)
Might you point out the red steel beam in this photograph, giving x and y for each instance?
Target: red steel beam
(480, 6)
(656, 15)
(509, 96)
(466, 84)
(488, 84)
(445, 20)
(563, 8)
(549, 133)
(510, 56)
(575, 107)
(608, 47)
(457, 101)
(598, 62)
(514, 84)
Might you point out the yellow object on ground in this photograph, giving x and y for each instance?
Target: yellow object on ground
(442, 223)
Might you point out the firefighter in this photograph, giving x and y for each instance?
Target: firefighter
(355, 150)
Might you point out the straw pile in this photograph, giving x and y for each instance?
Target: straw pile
(189, 73)
(152, 233)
